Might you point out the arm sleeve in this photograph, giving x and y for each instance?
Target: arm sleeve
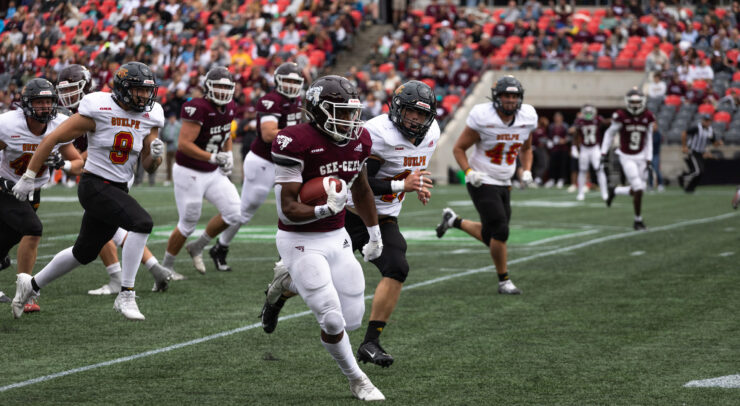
(379, 186)
(609, 136)
(649, 143)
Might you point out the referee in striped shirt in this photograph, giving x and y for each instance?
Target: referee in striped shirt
(694, 143)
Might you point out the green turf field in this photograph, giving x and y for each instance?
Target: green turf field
(608, 315)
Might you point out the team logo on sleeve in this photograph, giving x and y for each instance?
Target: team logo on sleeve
(190, 110)
(268, 104)
(283, 141)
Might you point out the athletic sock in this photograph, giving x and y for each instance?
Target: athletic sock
(227, 235)
(132, 252)
(503, 276)
(374, 328)
(168, 261)
(201, 242)
(342, 354)
(151, 262)
(62, 263)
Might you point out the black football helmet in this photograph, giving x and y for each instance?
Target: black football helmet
(635, 101)
(74, 82)
(289, 80)
(219, 85)
(418, 96)
(507, 84)
(39, 88)
(588, 112)
(334, 107)
(134, 75)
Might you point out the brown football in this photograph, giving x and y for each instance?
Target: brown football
(312, 192)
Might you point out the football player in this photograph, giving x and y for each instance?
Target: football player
(275, 111)
(498, 132)
(21, 131)
(587, 130)
(635, 127)
(202, 164)
(312, 241)
(120, 127)
(74, 82)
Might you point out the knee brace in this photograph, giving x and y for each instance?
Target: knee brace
(332, 322)
(190, 218)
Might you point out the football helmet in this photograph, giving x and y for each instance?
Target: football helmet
(133, 75)
(74, 82)
(289, 80)
(635, 101)
(418, 96)
(39, 88)
(334, 107)
(588, 112)
(219, 85)
(507, 85)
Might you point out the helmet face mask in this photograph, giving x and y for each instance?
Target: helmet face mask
(130, 76)
(334, 106)
(588, 112)
(288, 80)
(413, 109)
(635, 101)
(75, 81)
(33, 92)
(219, 86)
(507, 85)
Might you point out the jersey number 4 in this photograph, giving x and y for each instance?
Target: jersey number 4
(390, 197)
(123, 143)
(21, 163)
(497, 153)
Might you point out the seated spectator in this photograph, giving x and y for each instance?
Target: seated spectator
(657, 88)
(618, 7)
(511, 14)
(655, 29)
(584, 61)
(683, 70)
(563, 10)
(730, 102)
(655, 59)
(609, 21)
(433, 9)
(531, 59)
(702, 71)
(720, 63)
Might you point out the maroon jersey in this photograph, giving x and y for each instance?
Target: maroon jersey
(319, 155)
(215, 129)
(633, 131)
(589, 131)
(558, 133)
(286, 111)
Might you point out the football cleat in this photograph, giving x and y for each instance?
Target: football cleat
(580, 197)
(610, 196)
(4, 298)
(5, 262)
(126, 305)
(23, 294)
(735, 203)
(363, 389)
(31, 307)
(507, 288)
(197, 256)
(371, 351)
(162, 277)
(271, 309)
(218, 253)
(106, 289)
(640, 226)
(442, 227)
(176, 276)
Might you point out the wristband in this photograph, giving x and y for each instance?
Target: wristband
(30, 174)
(322, 211)
(374, 232)
(397, 186)
(67, 166)
(467, 171)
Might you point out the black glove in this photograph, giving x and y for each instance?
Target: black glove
(6, 186)
(54, 161)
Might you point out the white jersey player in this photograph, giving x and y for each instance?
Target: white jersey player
(498, 133)
(120, 127)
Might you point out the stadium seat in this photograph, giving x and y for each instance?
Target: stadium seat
(706, 108)
(732, 55)
(638, 63)
(385, 68)
(604, 62)
(722, 117)
(699, 85)
(736, 77)
(622, 62)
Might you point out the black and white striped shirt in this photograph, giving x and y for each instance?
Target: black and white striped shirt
(698, 137)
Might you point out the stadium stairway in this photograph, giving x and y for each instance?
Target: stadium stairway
(362, 46)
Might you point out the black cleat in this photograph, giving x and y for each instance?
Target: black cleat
(371, 351)
(610, 197)
(640, 226)
(269, 315)
(218, 253)
(442, 227)
(5, 262)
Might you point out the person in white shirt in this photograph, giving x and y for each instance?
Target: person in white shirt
(702, 71)
(657, 88)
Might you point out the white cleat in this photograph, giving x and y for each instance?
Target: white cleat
(581, 197)
(4, 298)
(280, 282)
(106, 289)
(363, 389)
(126, 304)
(23, 293)
(162, 277)
(176, 276)
(507, 288)
(197, 256)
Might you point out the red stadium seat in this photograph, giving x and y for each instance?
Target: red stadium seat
(732, 90)
(604, 62)
(722, 117)
(666, 47)
(260, 61)
(699, 85)
(732, 55)
(673, 100)
(356, 15)
(622, 63)
(385, 68)
(638, 63)
(721, 12)
(706, 108)
(40, 62)
(736, 77)
(429, 82)
(599, 12)
(595, 47)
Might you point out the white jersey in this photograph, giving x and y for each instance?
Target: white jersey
(114, 147)
(495, 154)
(400, 157)
(20, 144)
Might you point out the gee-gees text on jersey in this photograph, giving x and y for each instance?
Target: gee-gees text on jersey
(335, 167)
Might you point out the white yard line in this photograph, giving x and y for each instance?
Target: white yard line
(368, 297)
